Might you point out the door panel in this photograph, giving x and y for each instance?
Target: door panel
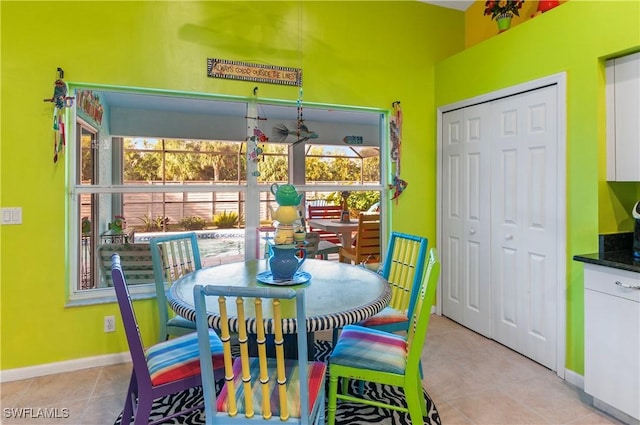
(523, 203)
(466, 151)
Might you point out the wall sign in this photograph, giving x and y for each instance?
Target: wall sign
(235, 70)
(353, 140)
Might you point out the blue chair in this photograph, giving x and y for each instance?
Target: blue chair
(165, 368)
(403, 268)
(259, 389)
(173, 256)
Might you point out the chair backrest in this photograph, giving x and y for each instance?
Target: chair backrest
(368, 237)
(419, 324)
(404, 268)
(173, 256)
(135, 259)
(324, 211)
(131, 329)
(236, 305)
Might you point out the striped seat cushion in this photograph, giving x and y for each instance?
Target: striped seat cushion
(177, 358)
(371, 349)
(387, 316)
(317, 372)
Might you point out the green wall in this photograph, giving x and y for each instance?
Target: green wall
(574, 38)
(353, 53)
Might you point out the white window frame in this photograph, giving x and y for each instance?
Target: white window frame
(78, 297)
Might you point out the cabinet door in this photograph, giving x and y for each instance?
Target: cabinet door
(626, 118)
(612, 338)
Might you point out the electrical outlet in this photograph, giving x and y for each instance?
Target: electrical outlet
(109, 324)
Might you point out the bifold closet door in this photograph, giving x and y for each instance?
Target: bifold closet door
(524, 223)
(500, 221)
(466, 244)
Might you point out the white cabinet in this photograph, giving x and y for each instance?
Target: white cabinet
(612, 339)
(623, 118)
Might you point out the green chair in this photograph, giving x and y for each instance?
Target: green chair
(173, 256)
(386, 358)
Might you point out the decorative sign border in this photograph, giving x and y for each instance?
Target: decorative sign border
(235, 70)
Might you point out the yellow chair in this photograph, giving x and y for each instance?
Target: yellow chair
(367, 241)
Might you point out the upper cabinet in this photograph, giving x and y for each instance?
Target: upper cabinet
(623, 118)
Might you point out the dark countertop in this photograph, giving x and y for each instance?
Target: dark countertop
(623, 260)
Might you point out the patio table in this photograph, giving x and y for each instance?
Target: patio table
(334, 225)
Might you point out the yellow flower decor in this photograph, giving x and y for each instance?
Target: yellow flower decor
(498, 9)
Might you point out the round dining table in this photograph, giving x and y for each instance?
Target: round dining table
(336, 294)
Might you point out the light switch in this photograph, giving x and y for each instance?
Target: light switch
(16, 215)
(6, 216)
(12, 215)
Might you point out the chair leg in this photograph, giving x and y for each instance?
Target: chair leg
(423, 402)
(334, 337)
(132, 395)
(145, 402)
(416, 405)
(331, 407)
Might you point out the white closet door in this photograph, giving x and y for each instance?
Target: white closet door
(466, 217)
(524, 224)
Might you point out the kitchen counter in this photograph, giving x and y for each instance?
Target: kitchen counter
(615, 250)
(623, 260)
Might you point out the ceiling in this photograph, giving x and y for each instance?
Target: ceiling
(451, 4)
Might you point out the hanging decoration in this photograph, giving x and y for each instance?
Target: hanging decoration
(254, 151)
(302, 133)
(395, 130)
(60, 101)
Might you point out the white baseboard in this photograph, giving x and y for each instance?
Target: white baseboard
(65, 366)
(574, 378)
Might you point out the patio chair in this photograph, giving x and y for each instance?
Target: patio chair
(165, 368)
(259, 389)
(173, 256)
(324, 211)
(376, 356)
(320, 248)
(367, 240)
(136, 263)
(403, 268)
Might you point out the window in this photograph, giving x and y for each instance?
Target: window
(147, 163)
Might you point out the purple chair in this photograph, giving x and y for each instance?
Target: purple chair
(165, 368)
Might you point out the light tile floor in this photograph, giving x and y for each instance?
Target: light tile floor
(472, 380)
